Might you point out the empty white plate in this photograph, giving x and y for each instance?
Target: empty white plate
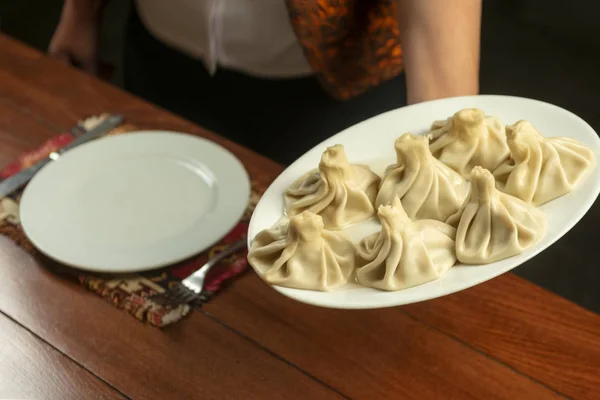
(134, 202)
(371, 142)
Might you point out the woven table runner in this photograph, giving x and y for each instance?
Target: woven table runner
(129, 292)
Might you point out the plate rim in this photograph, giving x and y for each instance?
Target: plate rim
(232, 159)
(290, 292)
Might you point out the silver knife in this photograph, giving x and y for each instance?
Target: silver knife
(15, 182)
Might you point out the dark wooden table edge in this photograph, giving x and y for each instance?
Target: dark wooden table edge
(483, 353)
(271, 353)
(44, 342)
(400, 309)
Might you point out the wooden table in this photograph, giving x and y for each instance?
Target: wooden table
(503, 339)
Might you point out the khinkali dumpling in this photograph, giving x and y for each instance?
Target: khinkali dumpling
(340, 192)
(405, 253)
(495, 225)
(427, 188)
(467, 139)
(301, 254)
(541, 169)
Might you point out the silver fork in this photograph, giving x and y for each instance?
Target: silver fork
(191, 287)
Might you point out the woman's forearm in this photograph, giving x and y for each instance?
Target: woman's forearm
(440, 42)
(83, 10)
(76, 39)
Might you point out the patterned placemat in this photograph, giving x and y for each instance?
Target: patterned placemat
(129, 292)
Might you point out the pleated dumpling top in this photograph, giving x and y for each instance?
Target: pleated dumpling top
(495, 225)
(340, 192)
(404, 253)
(541, 169)
(427, 188)
(467, 139)
(302, 254)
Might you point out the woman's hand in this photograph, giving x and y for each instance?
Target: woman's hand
(76, 39)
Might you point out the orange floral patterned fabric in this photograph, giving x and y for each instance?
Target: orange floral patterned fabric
(351, 45)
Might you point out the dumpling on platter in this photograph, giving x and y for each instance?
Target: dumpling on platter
(427, 188)
(405, 253)
(495, 225)
(467, 139)
(340, 192)
(302, 254)
(541, 169)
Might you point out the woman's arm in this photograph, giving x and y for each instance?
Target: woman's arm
(440, 42)
(76, 37)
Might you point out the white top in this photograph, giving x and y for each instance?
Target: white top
(251, 36)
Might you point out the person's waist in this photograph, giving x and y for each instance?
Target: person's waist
(267, 53)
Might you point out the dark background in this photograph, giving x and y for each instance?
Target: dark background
(542, 49)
